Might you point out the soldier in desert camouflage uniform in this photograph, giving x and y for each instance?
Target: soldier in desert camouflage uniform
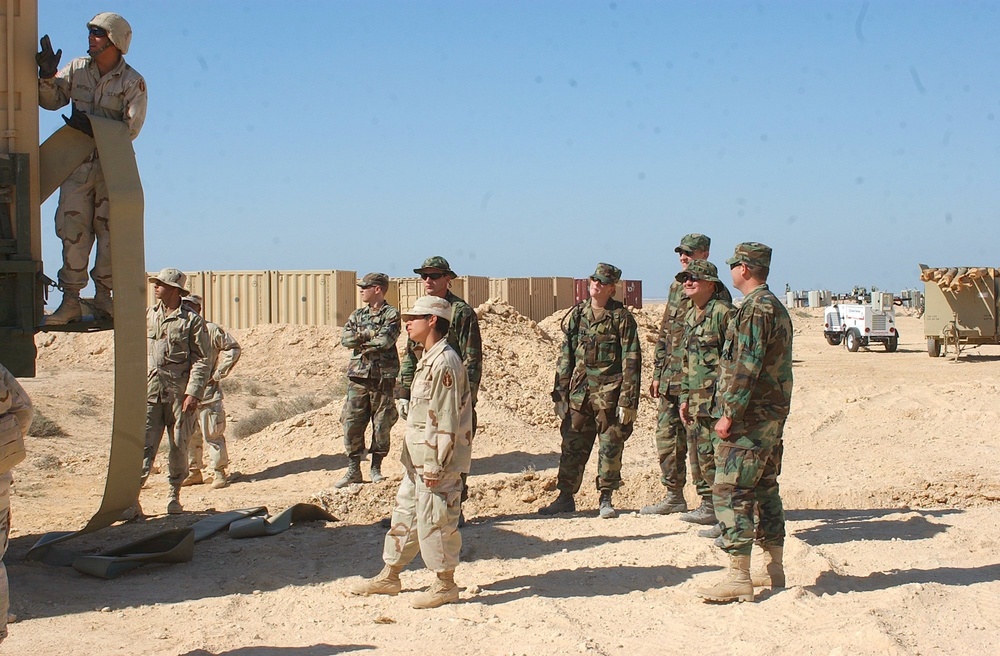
(596, 391)
(16, 413)
(436, 452)
(101, 84)
(671, 436)
(704, 336)
(210, 426)
(754, 397)
(463, 336)
(371, 331)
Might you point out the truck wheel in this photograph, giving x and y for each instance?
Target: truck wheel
(892, 343)
(933, 347)
(852, 340)
(833, 339)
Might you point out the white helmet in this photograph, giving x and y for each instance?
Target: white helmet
(118, 29)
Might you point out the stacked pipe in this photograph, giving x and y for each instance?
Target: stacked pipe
(955, 278)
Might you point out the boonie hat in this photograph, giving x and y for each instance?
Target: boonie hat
(171, 278)
(609, 274)
(374, 279)
(194, 299)
(693, 242)
(436, 262)
(700, 270)
(752, 253)
(430, 305)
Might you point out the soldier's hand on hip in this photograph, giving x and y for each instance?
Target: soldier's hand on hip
(79, 121)
(403, 407)
(561, 408)
(626, 415)
(723, 427)
(48, 61)
(190, 404)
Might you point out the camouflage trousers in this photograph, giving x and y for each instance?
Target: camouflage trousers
(425, 521)
(5, 481)
(210, 428)
(746, 477)
(179, 425)
(671, 445)
(368, 401)
(82, 215)
(701, 451)
(579, 431)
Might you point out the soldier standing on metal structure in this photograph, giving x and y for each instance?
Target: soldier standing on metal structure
(704, 335)
(463, 335)
(16, 413)
(371, 331)
(436, 452)
(101, 84)
(754, 397)
(596, 392)
(179, 353)
(210, 425)
(671, 437)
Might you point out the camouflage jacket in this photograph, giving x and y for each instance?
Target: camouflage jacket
(668, 355)
(756, 380)
(372, 334)
(463, 336)
(439, 425)
(16, 413)
(600, 359)
(178, 350)
(118, 95)
(704, 337)
(224, 356)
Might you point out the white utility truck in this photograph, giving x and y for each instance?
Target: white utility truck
(860, 324)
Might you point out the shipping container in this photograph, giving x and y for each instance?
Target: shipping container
(313, 298)
(565, 292)
(632, 293)
(581, 290)
(408, 290)
(516, 292)
(476, 288)
(238, 299)
(542, 298)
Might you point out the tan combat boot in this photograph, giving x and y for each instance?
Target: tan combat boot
(67, 312)
(772, 574)
(736, 585)
(385, 582)
(194, 477)
(104, 307)
(174, 506)
(672, 503)
(221, 480)
(442, 591)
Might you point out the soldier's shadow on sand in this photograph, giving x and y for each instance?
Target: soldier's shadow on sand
(514, 462)
(830, 582)
(587, 582)
(840, 526)
(325, 462)
(264, 650)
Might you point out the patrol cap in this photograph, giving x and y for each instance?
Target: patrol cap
(436, 262)
(374, 279)
(429, 305)
(194, 299)
(171, 278)
(752, 253)
(609, 274)
(699, 270)
(693, 242)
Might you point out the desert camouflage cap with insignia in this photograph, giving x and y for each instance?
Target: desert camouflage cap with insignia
(700, 270)
(194, 299)
(693, 242)
(374, 279)
(171, 278)
(609, 274)
(436, 262)
(752, 253)
(429, 305)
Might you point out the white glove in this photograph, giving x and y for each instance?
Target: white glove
(561, 408)
(626, 415)
(403, 407)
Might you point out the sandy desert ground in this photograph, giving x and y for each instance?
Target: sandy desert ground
(891, 483)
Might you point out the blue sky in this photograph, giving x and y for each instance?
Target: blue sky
(538, 138)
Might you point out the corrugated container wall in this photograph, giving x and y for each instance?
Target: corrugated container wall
(313, 298)
(581, 289)
(632, 296)
(238, 299)
(477, 290)
(543, 298)
(410, 289)
(565, 292)
(516, 292)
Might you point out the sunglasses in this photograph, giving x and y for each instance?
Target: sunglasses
(689, 278)
(598, 281)
(684, 252)
(432, 276)
(97, 31)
